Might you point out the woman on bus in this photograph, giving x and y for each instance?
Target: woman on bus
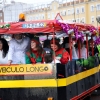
(17, 49)
(36, 53)
(66, 45)
(60, 53)
(3, 51)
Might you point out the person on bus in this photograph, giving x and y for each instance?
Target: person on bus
(95, 49)
(36, 53)
(83, 50)
(66, 45)
(48, 58)
(17, 49)
(46, 45)
(60, 53)
(3, 51)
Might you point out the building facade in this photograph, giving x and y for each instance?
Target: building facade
(1, 16)
(12, 11)
(81, 11)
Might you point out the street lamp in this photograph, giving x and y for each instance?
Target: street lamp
(98, 19)
(96, 14)
(2, 4)
(74, 10)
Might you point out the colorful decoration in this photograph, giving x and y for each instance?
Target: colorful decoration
(70, 30)
(5, 26)
(91, 30)
(97, 41)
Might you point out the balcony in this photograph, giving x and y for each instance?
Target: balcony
(60, 5)
(64, 4)
(68, 4)
(72, 3)
(91, 0)
(77, 2)
(81, 1)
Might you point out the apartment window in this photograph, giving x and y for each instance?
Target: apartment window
(48, 15)
(40, 16)
(52, 15)
(0, 14)
(69, 12)
(72, 11)
(64, 13)
(54, 7)
(73, 20)
(78, 20)
(43, 17)
(82, 20)
(82, 9)
(98, 6)
(70, 20)
(31, 18)
(35, 17)
(60, 13)
(28, 18)
(77, 11)
(92, 19)
(92, 8)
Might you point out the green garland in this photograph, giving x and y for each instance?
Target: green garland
(5, 26)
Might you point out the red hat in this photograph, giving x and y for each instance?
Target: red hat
(56, 41)
(35, 39)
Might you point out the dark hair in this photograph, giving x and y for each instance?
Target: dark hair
(56, 43)
(59, 46)
(84, 42)
(46, 44)
(48, 58)
(66, 40)
(5, 47)
(39, 50)
(90, 40)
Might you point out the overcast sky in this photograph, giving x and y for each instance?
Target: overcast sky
(37, 1)
(32, 1)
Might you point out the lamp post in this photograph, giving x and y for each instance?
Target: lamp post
(96, 13)
(2, 4)
(97, 18)
(74, 10)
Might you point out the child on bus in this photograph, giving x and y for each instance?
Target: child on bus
(48, 58)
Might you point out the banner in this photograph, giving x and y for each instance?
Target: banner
(27, 69)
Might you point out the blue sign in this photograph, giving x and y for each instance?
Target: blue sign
(34, 25)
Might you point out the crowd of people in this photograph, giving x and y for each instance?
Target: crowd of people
(25, 50)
